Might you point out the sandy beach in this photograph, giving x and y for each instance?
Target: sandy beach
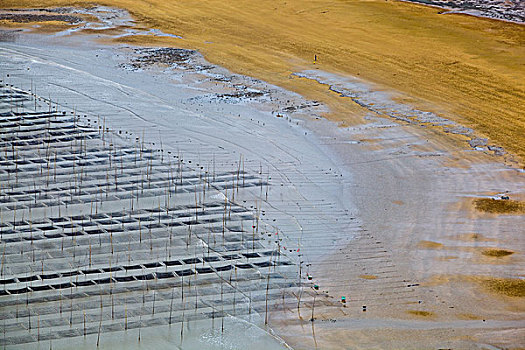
(401, 214)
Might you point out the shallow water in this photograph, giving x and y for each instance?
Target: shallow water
(234, 334)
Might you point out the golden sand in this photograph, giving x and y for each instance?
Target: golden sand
(468, 317)
(426, 314)
(47, 26)
(494, 206)
(429, 245)
(368, 277)
(468, 69)
(496, 253)
(511, 287)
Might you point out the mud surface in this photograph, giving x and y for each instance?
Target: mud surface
(26, 18)
(167, 56)
(511, 10)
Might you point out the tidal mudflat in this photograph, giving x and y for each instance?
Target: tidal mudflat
(151, 198)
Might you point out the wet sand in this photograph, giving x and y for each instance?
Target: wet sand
(418, 265)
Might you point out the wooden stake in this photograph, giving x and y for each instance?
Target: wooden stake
(266, 300)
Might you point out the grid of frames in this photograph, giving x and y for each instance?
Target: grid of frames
(100, 234)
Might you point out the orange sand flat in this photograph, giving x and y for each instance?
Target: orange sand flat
(468, 69)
